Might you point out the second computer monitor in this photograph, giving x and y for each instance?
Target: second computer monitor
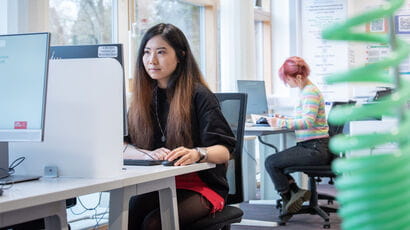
(257, 103)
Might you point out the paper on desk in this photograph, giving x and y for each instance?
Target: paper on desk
(255, 117)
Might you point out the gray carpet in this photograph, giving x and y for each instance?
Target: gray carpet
(297, 222)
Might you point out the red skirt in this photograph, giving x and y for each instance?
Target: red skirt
(194, 183)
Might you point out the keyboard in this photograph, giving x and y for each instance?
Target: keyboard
(142, 162)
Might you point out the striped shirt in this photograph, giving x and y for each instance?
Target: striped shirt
(310, 120)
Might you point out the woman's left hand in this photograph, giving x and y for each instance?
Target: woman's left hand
(184, 155)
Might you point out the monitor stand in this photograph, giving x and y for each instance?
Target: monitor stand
(5, 177)
(12, 179)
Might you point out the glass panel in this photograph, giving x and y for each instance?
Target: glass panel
(186, 17)
(80, 21)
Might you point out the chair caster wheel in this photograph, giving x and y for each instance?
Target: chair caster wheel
(284, 218)
(330, 202)
(326, 226)
(278, 205)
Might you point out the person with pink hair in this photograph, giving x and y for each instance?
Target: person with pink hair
(311, 131)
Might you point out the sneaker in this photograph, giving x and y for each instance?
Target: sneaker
(284, 216)
(296, 200)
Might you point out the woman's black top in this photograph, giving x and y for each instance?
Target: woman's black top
(209, 127)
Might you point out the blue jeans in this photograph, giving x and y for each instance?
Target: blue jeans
(311, 152)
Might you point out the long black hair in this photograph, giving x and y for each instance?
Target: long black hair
(181, 86)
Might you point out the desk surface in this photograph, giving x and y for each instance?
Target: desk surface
(261, 131)
(28, 194)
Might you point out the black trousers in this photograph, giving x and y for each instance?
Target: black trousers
(311, 152)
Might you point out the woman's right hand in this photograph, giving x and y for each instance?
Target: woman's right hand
(130, 152)
(272, 121)
(277, 115)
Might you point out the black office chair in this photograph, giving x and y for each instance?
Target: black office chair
(233, 107)
(315, 172)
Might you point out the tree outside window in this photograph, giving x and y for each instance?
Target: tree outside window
(185, 16)
(77, 22)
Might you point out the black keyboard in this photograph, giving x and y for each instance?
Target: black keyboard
(142, 162)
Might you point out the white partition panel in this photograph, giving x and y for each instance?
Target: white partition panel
(84, 121)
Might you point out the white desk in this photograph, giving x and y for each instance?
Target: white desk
(266, 185)
(45, 198)
(158, 178)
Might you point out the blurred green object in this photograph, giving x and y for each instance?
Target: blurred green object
(373, 191)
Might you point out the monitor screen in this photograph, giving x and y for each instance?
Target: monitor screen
(23, 81)
(257, 102)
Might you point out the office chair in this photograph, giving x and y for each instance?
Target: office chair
(315, 172)
(233, 107)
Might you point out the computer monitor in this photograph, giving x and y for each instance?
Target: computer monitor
(257, 102)
(23, 87)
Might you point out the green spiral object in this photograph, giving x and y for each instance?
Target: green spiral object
(373, 191)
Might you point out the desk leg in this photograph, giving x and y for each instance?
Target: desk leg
(169, 206)
(58, 221)
(267, 188)
(119, 203)
(54, 214)
(282, 140)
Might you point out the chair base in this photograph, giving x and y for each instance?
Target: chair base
(322, 211)
(313, 207)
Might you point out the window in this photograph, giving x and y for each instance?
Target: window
(81, 21)
(263, 45)
(185, 16)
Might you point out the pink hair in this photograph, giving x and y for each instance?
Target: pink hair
(292, 67)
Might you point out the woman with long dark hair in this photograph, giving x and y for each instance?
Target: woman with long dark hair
(174, 116)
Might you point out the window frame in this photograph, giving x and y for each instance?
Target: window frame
(262, 17)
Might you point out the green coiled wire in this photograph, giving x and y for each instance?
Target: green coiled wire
(373, 191)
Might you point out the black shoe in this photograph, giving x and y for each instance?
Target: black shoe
(296, 200)
(284, 216)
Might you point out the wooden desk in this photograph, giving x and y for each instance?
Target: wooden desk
(45, 198)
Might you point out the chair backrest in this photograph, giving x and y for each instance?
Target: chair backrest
(337, 129)
(233, 106)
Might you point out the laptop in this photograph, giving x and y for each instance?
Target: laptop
(257, 102)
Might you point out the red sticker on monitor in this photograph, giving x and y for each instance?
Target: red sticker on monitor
(20, 125)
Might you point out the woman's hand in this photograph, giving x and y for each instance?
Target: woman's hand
(272, 121)
(130, 152)
(160, 154)
(184, 155)
(277, 115)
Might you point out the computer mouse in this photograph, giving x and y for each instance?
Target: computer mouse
(168, 163)
(262, 120)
